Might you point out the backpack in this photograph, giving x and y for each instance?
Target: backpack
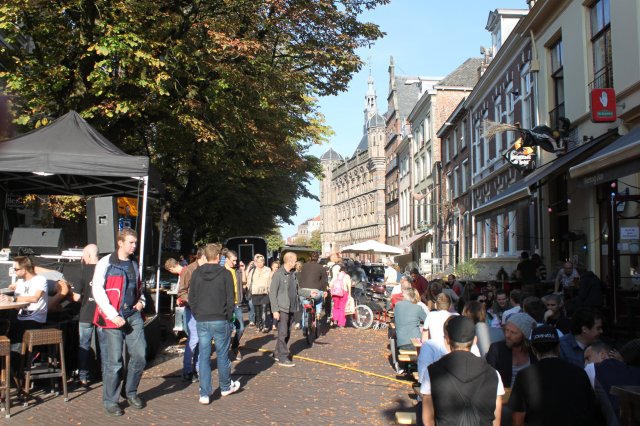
(337, 285)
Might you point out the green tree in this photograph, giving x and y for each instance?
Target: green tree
(315, 242)
(221, 95)
(274, 240)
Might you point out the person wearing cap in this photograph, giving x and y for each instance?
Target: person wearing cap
(552, 391)
(513, 353)
(461, 387)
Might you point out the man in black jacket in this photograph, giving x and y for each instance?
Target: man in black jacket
(313, 285)
(513, 354)
(211, 297)
(464, 389)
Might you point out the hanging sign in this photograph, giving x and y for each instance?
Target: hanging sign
(521, 157)
(603, 105)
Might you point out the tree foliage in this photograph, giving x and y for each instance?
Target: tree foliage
(220, 94)
(274, 240)
(315, 241)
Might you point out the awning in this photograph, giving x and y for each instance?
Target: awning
(413, 239)
(522, 189)
(621, 158)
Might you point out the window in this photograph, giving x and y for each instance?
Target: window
(483, 142)
(427, 128)
(497, 106)
(449, 193)
(456, 182)
(463, 131)
(528, 103)
(447, 143)
(454, 143)
(601, 44)
(465, 175)
(509, 117)
(557, 75)
(426, 164)
(476, 147)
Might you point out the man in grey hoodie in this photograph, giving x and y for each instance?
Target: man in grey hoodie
(211, 297)
(283, 295)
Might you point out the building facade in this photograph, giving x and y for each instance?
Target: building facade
(352, 189)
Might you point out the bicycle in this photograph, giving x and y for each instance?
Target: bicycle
(311, 330)
(369, 313)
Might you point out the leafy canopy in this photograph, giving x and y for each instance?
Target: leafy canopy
(220, 94)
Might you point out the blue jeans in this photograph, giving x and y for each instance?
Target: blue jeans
(317, 299)
(252, 311)
(190, 358)
(85, 358)
(220, 331)
(239, 326)
(113, 342)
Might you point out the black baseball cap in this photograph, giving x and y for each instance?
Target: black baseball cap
(544, 334)
(461, 329)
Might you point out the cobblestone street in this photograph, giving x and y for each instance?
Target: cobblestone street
(324, 388)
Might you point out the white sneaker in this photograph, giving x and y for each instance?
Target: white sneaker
(204, 400)
(234, 388)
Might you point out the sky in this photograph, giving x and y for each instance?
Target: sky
(425, 38)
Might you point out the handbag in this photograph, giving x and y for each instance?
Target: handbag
(350, 308)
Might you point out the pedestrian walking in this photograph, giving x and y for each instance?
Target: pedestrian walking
(117, 290)
(283, 295)
(340, 291)
(212, 300)
(258, 280)
(236, 269)
(190, 357)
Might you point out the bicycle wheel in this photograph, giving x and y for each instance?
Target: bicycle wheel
(363, 317)
(311, 327)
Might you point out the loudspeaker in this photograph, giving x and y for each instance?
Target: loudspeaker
(102, 223)
(29, 241)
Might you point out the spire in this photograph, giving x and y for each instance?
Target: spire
(371, 105)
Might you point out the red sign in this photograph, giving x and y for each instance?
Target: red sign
(603, 105)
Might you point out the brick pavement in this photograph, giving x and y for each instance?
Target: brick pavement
(270, 395)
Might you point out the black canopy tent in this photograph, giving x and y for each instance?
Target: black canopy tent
(69, 157)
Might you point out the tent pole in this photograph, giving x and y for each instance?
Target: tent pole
(143, 231)
(159, 259)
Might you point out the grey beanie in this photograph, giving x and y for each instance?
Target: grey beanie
(524, 322)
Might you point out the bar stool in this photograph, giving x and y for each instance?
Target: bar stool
(54, 365)
(5, 373)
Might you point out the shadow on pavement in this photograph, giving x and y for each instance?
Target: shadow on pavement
(170, 383)
(403, 405)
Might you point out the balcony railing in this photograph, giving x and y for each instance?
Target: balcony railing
(603, 78)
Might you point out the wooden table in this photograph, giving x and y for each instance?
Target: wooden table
(629, 403)
(13, 305)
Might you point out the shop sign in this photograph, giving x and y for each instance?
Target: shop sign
(630, 233)
(521, 157)
(603, 105)
(14, 202)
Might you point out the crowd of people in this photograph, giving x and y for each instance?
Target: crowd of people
(545, 353)
(476, 345)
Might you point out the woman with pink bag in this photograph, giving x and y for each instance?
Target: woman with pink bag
(340, 290)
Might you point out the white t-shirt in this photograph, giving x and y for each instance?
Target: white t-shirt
(435, 324)
(431, 352)
(390, 275)
(36, 311)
